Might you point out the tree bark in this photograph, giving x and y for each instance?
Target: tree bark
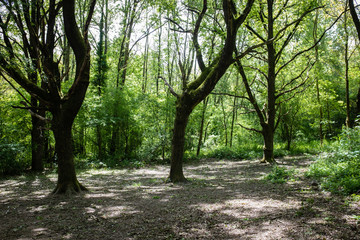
(201, 130)
(347, 91)
(178, 143)
(37, 145)
(197, 90)
(268, 155)
(67, 180)
(357, 25)
(269, 127)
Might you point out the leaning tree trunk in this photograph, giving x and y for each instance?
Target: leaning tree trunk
(178, 143)
(67, 181)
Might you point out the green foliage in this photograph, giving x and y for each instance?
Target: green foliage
(338, 169)
(240, 152)
(279, 174)
(12, 159)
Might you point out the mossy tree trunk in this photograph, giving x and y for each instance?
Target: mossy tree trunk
(178, 141)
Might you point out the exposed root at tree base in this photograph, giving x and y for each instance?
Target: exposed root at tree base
(264, 161)
(69, 188)
(177, 180)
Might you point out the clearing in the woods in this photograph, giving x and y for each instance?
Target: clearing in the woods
(224, 200)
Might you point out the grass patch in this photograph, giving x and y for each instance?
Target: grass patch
(279, 174)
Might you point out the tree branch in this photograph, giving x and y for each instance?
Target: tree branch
(172, 91)
(199, 56)
(310, 48)
(298, 86)
(354, 17)
(250, 129)
(230, 95)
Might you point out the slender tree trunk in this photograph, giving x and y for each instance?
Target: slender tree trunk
(159, 58)
(201, 130)
(321, 135)
(358, 104)
(66, 72)
(234, 112)
(178, 143)
(99, 142)
(37, 144)
(347, 122)
(224, 121)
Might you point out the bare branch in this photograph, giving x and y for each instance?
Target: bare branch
(295, 78)
(310, 48)
(247, 51)
(30, 110)
(250, 129)
(199, 56)
(17, 90)
(88, 19)
(230, 95)
(254, 32)
(298, 86)
(172, 91)
(252, 99)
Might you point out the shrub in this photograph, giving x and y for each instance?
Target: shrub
(279, 174)
(338, 169)
(12, 160)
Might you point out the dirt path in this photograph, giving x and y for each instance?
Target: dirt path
(224, 200)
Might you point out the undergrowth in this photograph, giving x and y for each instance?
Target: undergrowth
(279, 174)
(338, 169)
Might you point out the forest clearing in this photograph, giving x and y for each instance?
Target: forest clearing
(179, 119)
(223, 200)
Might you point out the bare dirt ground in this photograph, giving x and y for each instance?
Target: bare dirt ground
(224, 200)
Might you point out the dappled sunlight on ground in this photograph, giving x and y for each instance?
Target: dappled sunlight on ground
(223, 200)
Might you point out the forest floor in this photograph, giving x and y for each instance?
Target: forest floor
(224, 200)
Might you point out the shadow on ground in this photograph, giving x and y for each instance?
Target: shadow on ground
(224, 200)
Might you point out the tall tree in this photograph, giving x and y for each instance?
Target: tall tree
(30, 14)
(277, 86)
(197, 90)
(131, 12)
(63, 106)
(356, 21)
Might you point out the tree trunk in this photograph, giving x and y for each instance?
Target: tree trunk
(99, 142)
(178, 143)
(347, 91)
(234, 112)
(67, 181)
(268, 155)
(269, 127)
(37, 145)
(201, 130)
(358, 104)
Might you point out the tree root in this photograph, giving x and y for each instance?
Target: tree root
(69, 188)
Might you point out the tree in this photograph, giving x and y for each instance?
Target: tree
(356, 21)
(273, 83)
(197, 90)
(38, 132)
(63, 106)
